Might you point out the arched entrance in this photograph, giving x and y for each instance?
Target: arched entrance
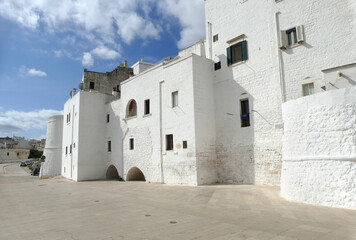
(112, 173)
(135, 174)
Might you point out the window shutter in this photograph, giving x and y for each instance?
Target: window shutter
(244, 51)
(284, 40)
(300, 34)
(228, 54)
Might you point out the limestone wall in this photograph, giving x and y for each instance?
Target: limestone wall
(319, 149)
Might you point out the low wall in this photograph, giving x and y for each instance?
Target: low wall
(319, 149)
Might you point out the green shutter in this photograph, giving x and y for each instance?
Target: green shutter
(244, 50)
(228, 54)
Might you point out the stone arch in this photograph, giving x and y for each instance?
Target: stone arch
(135, 174)
(131, 109)
(112, 173)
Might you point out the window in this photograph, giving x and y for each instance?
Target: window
(91, 85)
(8, 154)
(292, 37)
(245, 113)
(131, 109)
(175, 99)
(109, 146)
(132, 144)
(308, 89)
(70, 149)
(237, 53)
(185, 144)
(216, 38)
(147, 106)
(217, 66)
(107, 118)
(18, 154)
(169, 142)
(66, 150)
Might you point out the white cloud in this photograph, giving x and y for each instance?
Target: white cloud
(105, 53)
(191, 17)
(87, 60)
(32, 72)
(18, 121)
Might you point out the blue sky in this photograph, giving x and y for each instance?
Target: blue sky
(45, 45)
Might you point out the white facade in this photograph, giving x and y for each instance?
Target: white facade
(226, 119)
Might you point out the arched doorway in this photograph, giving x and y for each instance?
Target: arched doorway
(112, 173)
(135, 174)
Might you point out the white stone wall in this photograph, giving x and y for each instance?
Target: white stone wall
(13, 154)
(319, 149)
(53, 149)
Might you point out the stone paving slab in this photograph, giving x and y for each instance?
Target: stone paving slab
(57, 208)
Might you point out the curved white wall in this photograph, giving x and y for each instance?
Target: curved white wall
(319, 149)
(53, 150)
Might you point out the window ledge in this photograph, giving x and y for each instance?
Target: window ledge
(129, 118)
(291, 46)
(147, 115)
(238, 63)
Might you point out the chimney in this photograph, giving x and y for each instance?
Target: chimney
(125, 63)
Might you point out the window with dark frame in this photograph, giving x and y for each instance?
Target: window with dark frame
(217, 66)
(237, 53)
(109, 146)
(185, 144)
(169, 142)
(147, 106)
(131, 144)
(245, 113)
(175, 99)
(107, 118)
(91, 85)
(292, 36)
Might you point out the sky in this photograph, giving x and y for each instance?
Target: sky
(45, 45)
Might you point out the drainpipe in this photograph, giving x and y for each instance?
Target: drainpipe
(210, 39)
(280, 59)
(160, 129)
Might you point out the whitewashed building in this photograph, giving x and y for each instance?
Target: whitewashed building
(268, 98)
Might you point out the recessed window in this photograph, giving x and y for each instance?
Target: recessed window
(107, 118)
(185, 144)
(66, 150)
(131, 109)
(175, 99)
(70, 149)
(292, 37)
(147, 106)
(91, 85)
(169, 142)
(217, 66)
(132, 144)
(216, 38)
(8, 154)
(18, 154)
(237, 53)
(308, 89)
(109, 146)
(245, 113)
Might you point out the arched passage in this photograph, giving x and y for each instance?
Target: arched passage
(112, 173)
(135, 174)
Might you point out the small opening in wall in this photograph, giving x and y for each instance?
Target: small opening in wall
(107, 118)
(216, 38)
(185, 144)
(169, 142)
(131, 144)
(109, 146)
(147, 106)
(91, 85)
(8, 154)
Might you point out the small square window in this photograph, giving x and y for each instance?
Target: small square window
(245, 113)
(147, 106)
(107, 118)
(292, 37)
(216, 38)
(169, 142)
(175, 99)
(217, 66)
(109, 146)
(91, 85)
(308, 89)
(132, 144)
(185, 144)
(237, 53)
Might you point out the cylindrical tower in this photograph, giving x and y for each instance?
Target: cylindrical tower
(53, 149)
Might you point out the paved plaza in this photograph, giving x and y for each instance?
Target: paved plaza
(56, 208)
